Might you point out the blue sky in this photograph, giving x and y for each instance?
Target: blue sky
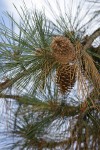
(2, 5)
(3, 8)
(7, 5)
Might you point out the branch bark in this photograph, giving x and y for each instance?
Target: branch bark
(91, 38)
(16, 97)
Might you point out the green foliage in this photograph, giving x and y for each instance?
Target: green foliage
(44, 117)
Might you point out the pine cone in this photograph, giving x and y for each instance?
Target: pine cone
(62, 49)
(65, 77)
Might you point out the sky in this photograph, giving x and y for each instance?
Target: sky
(7, 5)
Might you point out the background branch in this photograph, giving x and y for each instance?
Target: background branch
(91, 38)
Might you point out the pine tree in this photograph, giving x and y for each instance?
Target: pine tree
(50, 72)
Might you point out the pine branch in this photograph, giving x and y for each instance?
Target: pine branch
(61, 110)
(95, 50)
(17, 97)
(26, 100)
(10, 82)
(42, 143)
(92, 71)
(91, 38)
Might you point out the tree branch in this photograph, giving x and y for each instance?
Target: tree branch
(10, 82)
(53, 107)
(26, 100)
(16, 97)
(91, 38)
